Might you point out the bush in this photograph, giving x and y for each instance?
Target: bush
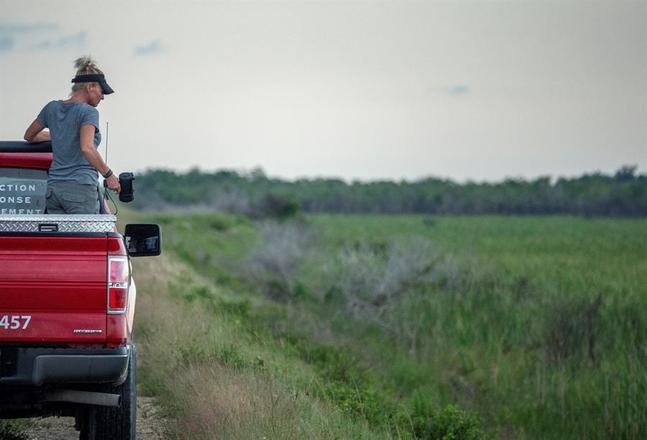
(371, 277)
(275, 207)
(273, 264)
(448, 423)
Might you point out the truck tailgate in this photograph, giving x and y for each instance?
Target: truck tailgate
(53, 288)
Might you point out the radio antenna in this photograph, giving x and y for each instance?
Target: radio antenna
(107, 131)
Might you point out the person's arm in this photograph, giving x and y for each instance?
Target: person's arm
(95, 159)
(37, 133)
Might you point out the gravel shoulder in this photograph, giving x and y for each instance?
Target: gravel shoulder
(150, 424)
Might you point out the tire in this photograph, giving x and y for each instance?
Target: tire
(86, 422)
(120, 422)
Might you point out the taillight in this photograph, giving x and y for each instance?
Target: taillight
(118, 280)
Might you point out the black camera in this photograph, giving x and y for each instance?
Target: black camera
(126, 182)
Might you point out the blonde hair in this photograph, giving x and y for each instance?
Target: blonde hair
(84, 66)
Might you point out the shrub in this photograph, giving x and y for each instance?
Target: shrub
(273, 264)
(273, 206)
(448, 423)
(372, 276)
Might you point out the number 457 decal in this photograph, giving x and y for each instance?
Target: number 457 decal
(14, 322)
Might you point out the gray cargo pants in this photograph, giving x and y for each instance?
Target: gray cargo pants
(72, 198)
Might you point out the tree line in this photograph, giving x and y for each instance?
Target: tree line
(623, 193)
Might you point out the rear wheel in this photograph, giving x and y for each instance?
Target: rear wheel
(119, 423)
(86, 423)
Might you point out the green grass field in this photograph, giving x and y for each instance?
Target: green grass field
(412, 326)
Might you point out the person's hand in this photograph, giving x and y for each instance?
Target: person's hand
(112, 183)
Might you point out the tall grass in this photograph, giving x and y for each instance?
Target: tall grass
(214, 378)
(536, 326)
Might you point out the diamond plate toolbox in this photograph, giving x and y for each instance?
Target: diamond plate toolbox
(58, 223)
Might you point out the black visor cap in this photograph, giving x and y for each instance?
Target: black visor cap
(97, 78)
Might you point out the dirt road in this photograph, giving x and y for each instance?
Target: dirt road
(150, 425)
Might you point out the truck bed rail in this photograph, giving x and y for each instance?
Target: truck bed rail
(57, 223)
(25, 147)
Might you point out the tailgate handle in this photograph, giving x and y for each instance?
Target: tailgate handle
(48, 227)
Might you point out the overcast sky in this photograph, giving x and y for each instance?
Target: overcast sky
(365, 89)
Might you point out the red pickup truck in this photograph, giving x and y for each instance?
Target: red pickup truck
(67, 303)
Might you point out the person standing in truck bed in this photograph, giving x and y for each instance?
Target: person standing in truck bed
(74, 131)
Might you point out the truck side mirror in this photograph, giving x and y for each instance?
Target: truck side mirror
(143, 240)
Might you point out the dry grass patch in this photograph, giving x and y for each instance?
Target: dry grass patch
(237, 405)
(205, 369)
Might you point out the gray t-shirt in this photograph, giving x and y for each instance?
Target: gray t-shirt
(64, 121)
